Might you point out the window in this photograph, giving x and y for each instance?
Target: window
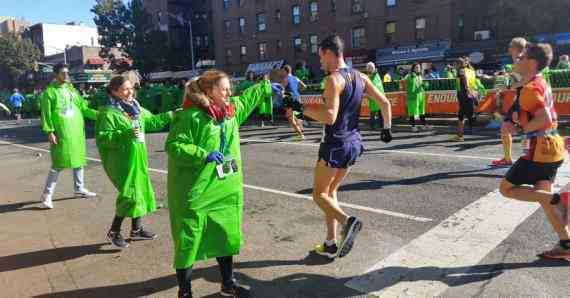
(242, 50)
(296, 11)
(228, 56)
(314, 42)
(226, 4)
(198, 42)
(298, 43)
(390, 3)
(420, 29)
(227, 26)
(241, 3)
(482, 35)
(279, 45)
(278, 15)
(357, 6)
(262, 50)
(206, 42)
(333, 6)
(241, 25)
(390, 32)
(261, 22)
(358, 38)
(314, 11)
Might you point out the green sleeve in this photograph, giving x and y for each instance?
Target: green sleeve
(250, 98)
(46, 112)
(83, 105)
(180, 145)
(108, 135)
(411, 84)
(155, 122)
(377, 82)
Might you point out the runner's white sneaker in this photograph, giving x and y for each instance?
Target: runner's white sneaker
(47, 201)
(85, 194)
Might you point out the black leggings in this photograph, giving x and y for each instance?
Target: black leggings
(226, 265)
(423, 120)
(118, 221)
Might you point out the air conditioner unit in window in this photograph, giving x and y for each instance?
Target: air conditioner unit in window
(365, 15)
(314, 18)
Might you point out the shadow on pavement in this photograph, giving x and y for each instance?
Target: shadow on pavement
(309, 284)
(20, 206)
(375, 184)
(50, 256)
(453, 276)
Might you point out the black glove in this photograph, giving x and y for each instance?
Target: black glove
(289, 102)
(386, 135)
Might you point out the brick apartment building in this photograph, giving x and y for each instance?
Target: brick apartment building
(260, 34)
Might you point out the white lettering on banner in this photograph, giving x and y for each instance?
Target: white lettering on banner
(442, 97)
(562, 96)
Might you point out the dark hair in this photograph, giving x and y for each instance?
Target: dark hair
(287, 68)
(416, 64)
(278, 75)
(116, 83)
(334, 44)
(541, 53)
(59, 67)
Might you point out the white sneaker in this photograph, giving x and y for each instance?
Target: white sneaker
(85, 194)
(415, 129)
(47, 201)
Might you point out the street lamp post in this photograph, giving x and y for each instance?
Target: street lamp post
(191, 45)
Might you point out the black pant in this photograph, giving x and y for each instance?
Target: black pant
(423, 120)
(118, 221)
(376, 120)
(226, 265)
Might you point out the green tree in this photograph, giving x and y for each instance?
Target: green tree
(16, 58)
(129, 27)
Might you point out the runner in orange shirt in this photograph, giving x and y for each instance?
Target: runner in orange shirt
(535, 115)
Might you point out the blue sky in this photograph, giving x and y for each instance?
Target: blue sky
(49, 11)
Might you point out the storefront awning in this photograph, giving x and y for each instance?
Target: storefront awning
(426, 51)
(562, 38)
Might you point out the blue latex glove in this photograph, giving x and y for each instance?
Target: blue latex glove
(215, 156)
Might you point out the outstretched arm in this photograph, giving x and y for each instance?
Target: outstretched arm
(328, 112)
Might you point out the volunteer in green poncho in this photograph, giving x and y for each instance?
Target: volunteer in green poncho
(376, 120)
(416, 99)
(248, 82)
(302, 72)
(62, 117)
(205, 176)
(120, 131)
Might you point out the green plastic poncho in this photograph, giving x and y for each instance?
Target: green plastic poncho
(416, 100)
(125, 159)
(243, 86)
(63, 111)
(303, 74)
(205, 211)
(377, 82)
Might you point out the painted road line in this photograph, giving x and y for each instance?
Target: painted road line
(420, 268)
(274, 191)
(375, 148)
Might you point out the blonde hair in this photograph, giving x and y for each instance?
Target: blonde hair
(519, 43)
(196, 89)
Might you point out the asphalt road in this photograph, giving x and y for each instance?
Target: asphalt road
(405, 192)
